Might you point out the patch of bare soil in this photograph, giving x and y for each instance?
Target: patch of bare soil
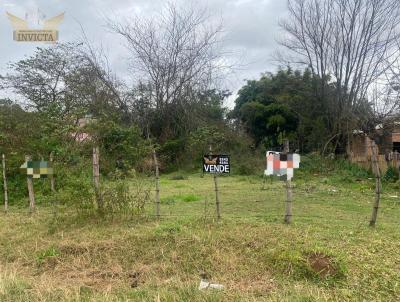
(322, 264)
(73, 249)
(258, 285)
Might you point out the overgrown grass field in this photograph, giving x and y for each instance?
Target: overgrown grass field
(328, 253)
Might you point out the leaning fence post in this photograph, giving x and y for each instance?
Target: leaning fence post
(217, 204)
(378, 184)
(217, 197)
(157, 184)
(96, 177)
(52, 184)
(5, 184)
(96, 169)
(289, 193)
(31, 193)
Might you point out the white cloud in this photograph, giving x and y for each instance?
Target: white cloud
(250, 28)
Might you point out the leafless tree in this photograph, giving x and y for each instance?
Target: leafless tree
(349, 44)
(102, 75)
(175, 54)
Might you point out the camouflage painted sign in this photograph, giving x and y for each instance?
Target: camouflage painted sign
(37, 169)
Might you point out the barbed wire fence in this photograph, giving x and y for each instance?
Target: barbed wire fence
(267, 203)
(263, 199)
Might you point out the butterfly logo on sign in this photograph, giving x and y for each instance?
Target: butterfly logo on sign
(210, 161)
(25, 31)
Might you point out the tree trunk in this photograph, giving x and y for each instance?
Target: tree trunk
(327, 143)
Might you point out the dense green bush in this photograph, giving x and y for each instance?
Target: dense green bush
(245, 158)
(119, 193)
(121, 148)
(128, 196)
(339, 168)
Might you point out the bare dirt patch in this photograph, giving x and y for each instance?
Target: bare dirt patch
(323, 265)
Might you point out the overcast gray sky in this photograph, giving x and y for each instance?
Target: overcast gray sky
(250, 29)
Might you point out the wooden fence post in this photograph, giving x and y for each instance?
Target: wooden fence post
(157, 184)
(52, 184)
(5, 184)
(205, 208)
(217, 203)
(96, 168)
(96, 177)
(29, 180)
(217, 197)
(289, 193)
(378, 184)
